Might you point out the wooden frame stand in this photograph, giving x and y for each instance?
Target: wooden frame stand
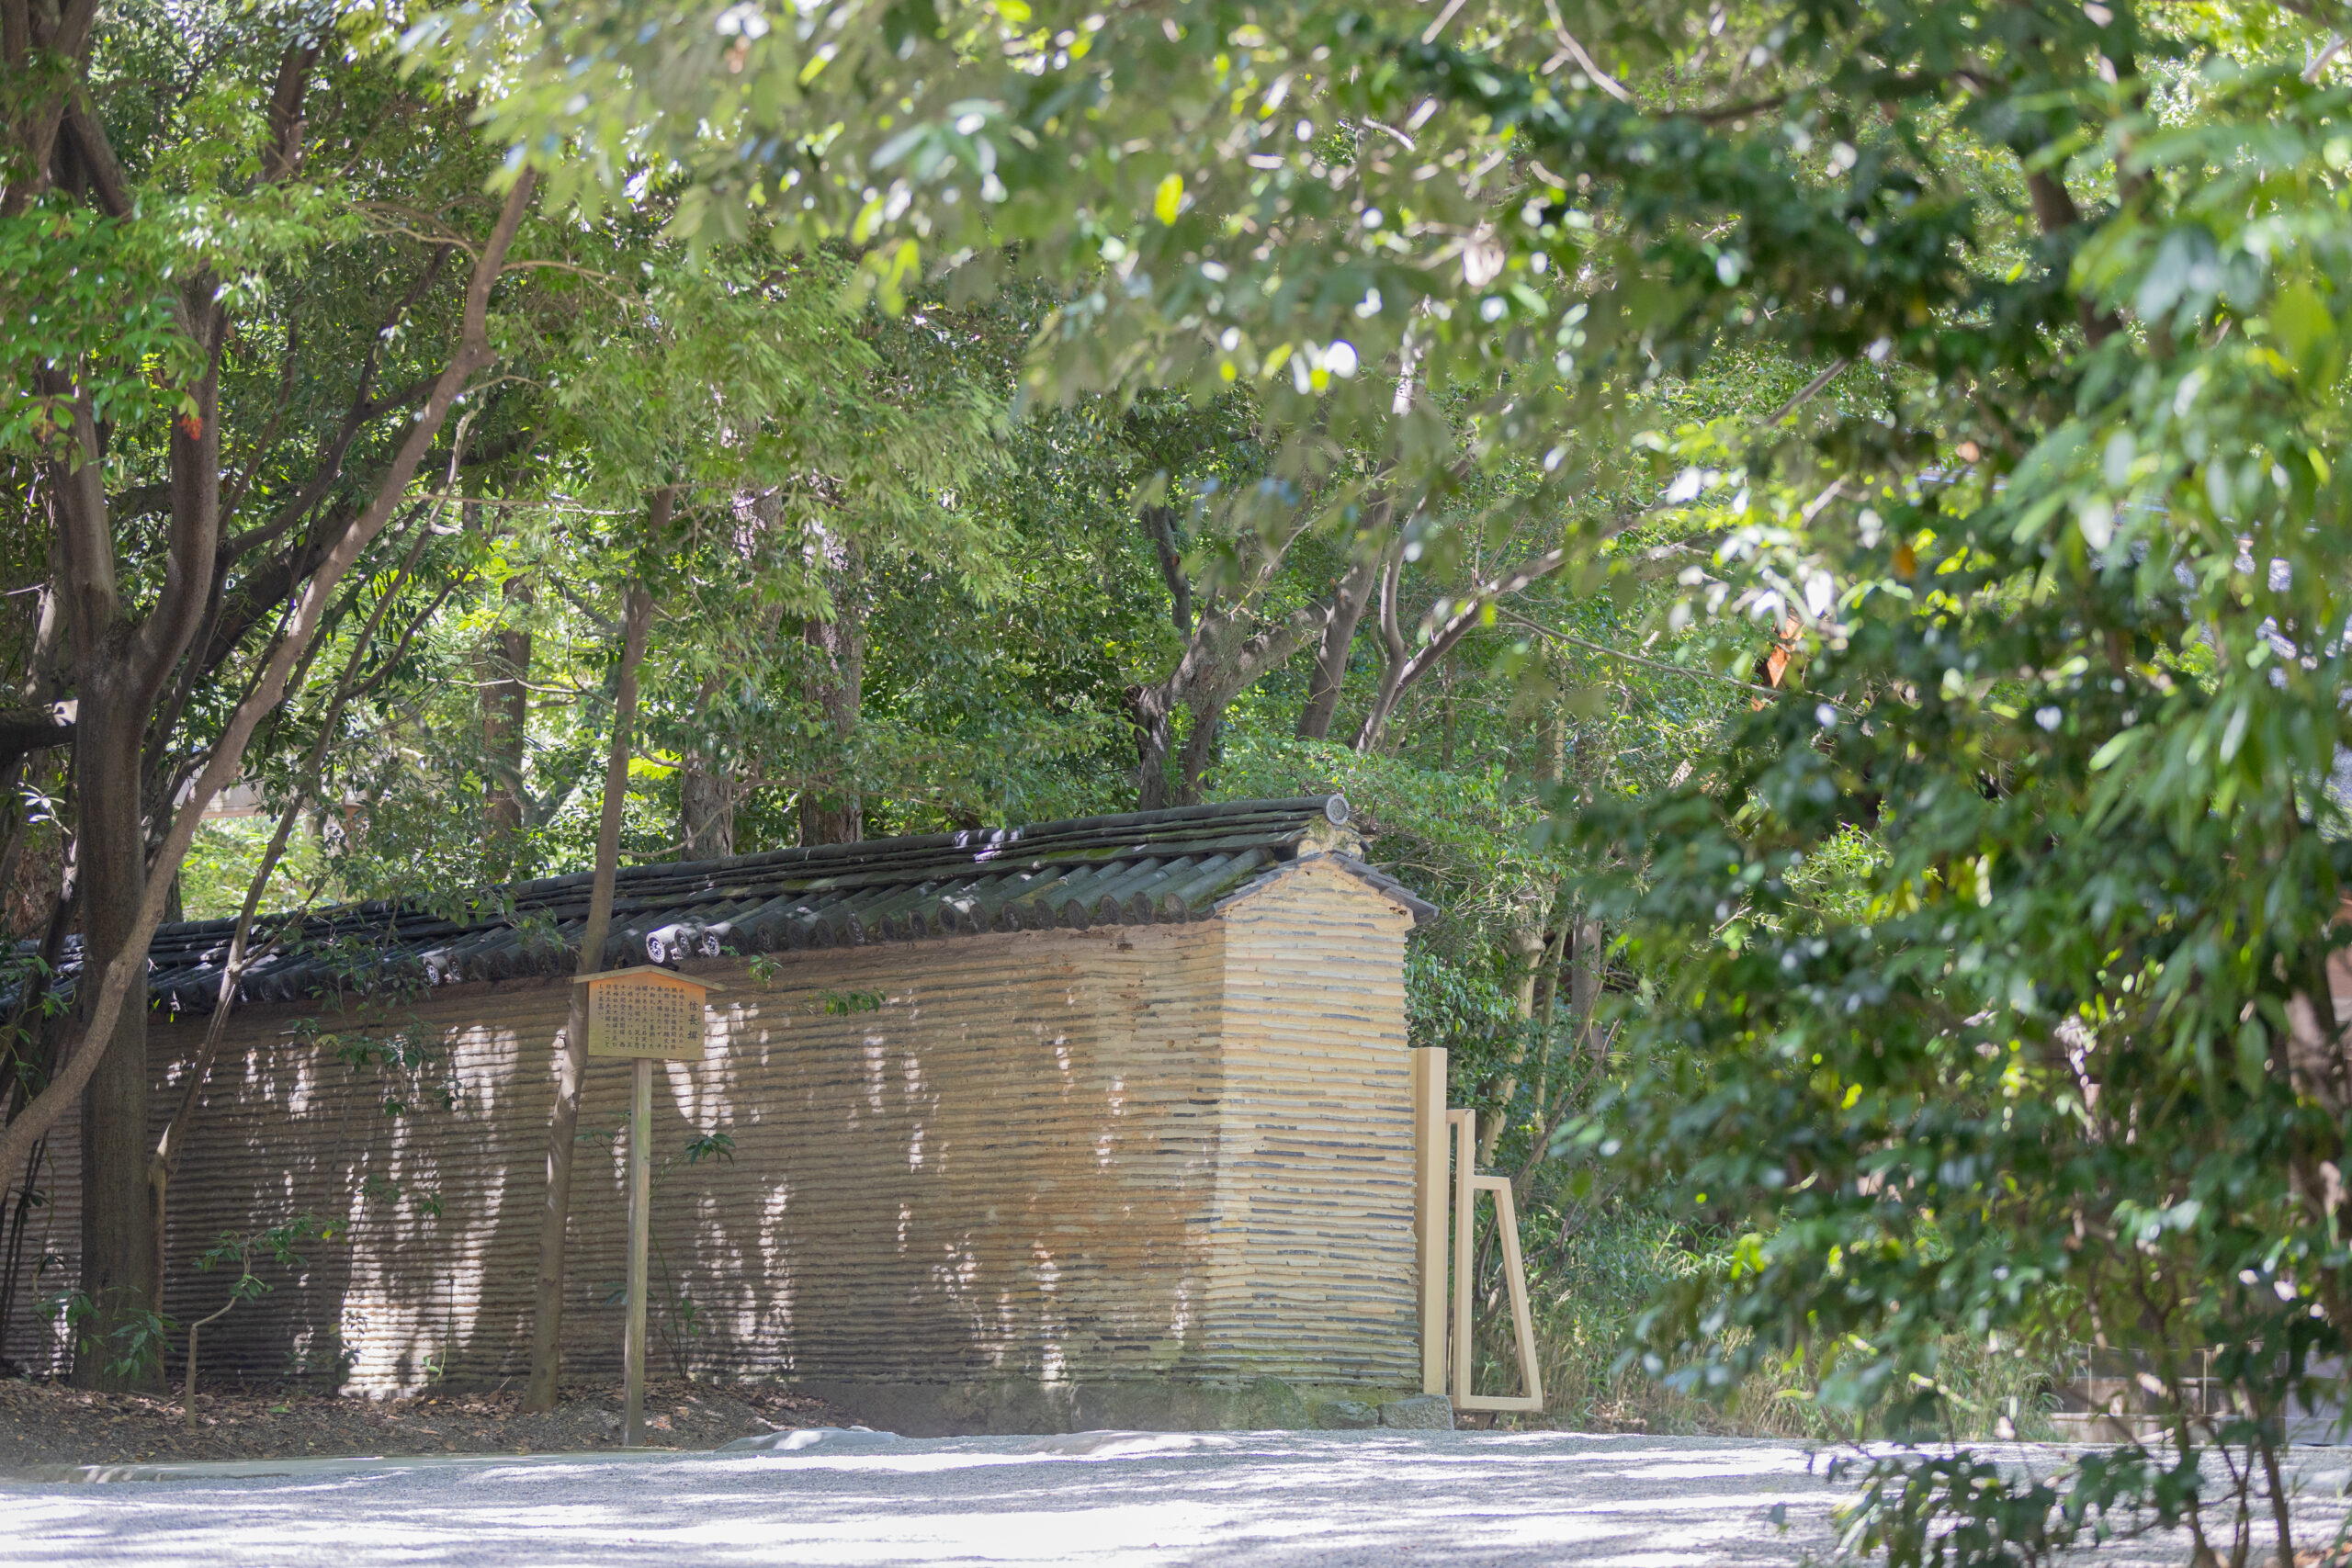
(1444, 1137)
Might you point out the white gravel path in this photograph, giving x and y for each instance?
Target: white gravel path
(1239, 1500)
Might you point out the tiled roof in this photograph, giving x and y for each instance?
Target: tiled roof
(1141, 868)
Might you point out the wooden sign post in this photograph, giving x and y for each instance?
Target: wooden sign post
(648, 1016)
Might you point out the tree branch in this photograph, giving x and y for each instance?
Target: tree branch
(165, 1163)
(90, 588)
(268, 436)
(1573, 51)
(2056, 212)
(32, 729)
(186, 599)
(1662, 666)
(1470, 614)
(1162, 525)
(285, 155)
(364, 408)
(107, 179)
(65, 33)
(15, 33)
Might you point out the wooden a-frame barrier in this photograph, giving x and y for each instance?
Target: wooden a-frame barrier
(1446, 1185)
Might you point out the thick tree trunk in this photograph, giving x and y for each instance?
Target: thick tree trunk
(122, 665)
(571, 1049)
(836, 815)
(1200, 751)
(1153, 714)
(118, 1261)
(119, 670)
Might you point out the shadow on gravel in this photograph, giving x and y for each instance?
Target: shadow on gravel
(1274, 1499)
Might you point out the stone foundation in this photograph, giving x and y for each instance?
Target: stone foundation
(1020, 1405)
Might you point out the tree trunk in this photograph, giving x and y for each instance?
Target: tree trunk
(571, 1049)
(1161, 523)
(1348, 605)
(1200, 750)
(706, 799)
(836, 815)
(1530, 946)
(1538, 952)
(119, 670)
(117, 1257)
(1153, 714)
(708, 765)
(33, 864)
(505, 665)
(1222, 659)
(1584, 987)
(1395, 654)
(1404, 667)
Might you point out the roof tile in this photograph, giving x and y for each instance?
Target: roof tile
(1135, 868)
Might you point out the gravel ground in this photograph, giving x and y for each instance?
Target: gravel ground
(1272, 1499)
(1261, 1500)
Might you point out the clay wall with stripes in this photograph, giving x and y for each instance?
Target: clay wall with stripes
(1314, 1254)
(1046, 1157)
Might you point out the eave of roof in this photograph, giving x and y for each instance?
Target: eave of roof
(1132, 869)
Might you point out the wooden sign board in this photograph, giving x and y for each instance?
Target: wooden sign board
(651, 1014)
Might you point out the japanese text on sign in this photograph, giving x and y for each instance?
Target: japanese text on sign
(644, 1015)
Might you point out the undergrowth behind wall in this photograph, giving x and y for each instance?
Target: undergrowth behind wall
(1591, 1273)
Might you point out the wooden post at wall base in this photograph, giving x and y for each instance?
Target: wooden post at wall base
(1429, 1207)
(1464, 1125)
(640, 1204)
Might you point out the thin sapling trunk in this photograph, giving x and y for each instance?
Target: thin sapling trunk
(165, 1163)
(279, 1244)
(571, 1049)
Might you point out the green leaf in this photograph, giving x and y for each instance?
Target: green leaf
(2305, 327)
